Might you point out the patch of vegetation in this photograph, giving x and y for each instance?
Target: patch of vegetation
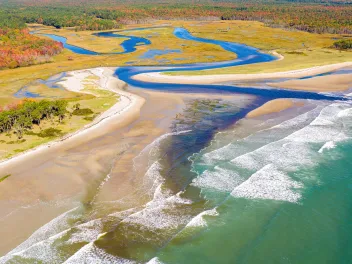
(18, 150)
(90, 118)
(19, 48)
(22, 116)
(30, 133)
(82, 112)
(297, 53)
(50, 133)
(17, 141)
(344, 44)
(4, 177)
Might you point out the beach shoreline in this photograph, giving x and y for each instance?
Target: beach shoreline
(72, 164)
(123, 109)
(129, 101)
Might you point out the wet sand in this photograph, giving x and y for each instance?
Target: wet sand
(58, 177)
(331, 83)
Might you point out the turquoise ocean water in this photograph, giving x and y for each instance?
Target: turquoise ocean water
(275, 190)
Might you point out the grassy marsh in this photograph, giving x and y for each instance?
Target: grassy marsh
(97, 101)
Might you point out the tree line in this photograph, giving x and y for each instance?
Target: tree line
(23, 116)
(19, 48)
(328, 16)
(343, 44)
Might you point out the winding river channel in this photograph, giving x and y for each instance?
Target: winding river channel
(218, 188)
(245, 55)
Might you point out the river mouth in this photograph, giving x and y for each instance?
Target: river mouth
(188, 171)
(106, 174)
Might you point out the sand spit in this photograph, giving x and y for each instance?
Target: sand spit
(270, 107)
(122, 110)
(331, 83)
(211, 79)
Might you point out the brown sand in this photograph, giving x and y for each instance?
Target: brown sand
(339, 82)
(45, 183)
(270, 107)
(54, 179)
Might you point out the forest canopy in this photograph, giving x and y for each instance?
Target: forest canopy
(323, 16)
(19, 48)
(21, 117)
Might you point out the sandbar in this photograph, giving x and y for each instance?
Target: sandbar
(330, 83)
(218, 78)
(273, 106)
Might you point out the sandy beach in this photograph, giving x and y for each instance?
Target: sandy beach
(54, 177)
(211, 79)
(67, 173)
(273, 106)
(340, 82)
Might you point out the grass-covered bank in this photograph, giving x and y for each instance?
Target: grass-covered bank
(28, 124)
(300, 49)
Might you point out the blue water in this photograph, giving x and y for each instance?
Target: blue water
(50, 83)
(245, 55)
(75, 49)
(128, 45)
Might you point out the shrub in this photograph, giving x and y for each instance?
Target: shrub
(344, 44)
(82, 112)
(297, 53)
(21, 117)
(50, 132)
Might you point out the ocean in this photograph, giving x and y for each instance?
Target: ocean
(273, 190)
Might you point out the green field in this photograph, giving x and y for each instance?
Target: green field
(300, 49)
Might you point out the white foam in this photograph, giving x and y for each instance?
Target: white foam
(327, 145)
(160, 213)
(48, 230)
(219, 179)
(345, 113)
(105, 180)
(199, 221)
(87, 232)
(283, 153)
(91, 254)
(259, 139)
(152, 178)
(44, 251)
(269, 183)
(155, 218)
(123, 214)
(295, 150)
(154, 261)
